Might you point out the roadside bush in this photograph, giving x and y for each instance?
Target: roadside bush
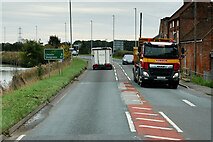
(121, 53)
(33, 54)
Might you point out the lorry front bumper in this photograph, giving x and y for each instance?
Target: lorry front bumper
(163, 79)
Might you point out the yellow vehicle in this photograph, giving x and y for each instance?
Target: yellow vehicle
(156, 60)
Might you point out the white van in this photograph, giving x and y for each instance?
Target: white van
(101, 57)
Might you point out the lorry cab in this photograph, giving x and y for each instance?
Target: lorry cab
(158, 62)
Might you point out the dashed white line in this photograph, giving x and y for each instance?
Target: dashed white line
(20, 137)
(189, 103)
(154, 127)
(146, 113)
(142, 108)
(125, 73)
(171, 122)
(163, 138)
(131, 124)
(146, 119)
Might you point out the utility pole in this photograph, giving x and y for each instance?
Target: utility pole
(36, 32)
(113, 31)
(195, 34)
(141, 24)
(65, 37)
(91, 36)
(4, 34)
(135, 26)
(19, 33)
(70, 29)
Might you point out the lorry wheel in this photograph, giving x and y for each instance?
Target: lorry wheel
(173, 85)
(142, 84)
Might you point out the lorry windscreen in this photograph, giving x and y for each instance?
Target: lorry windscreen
(161, 52)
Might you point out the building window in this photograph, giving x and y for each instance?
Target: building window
(173, 23)
(170, 25)
(170, 36)
(177, 22)
(177, 36)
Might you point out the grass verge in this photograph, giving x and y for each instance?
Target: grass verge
(17, 105)
(200, 81)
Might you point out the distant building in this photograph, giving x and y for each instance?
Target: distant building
(118, 45)
(180, 27)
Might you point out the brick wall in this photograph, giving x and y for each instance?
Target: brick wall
(203, 55)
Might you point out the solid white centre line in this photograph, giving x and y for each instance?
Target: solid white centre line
(146, 113)
(154, 127)
(142, 108)
(131, 124)
(163, 138)
(189, 103)
(155, 120)
(20, 137)
(171, 122)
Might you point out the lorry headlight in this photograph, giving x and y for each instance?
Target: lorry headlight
(124, 59)
(145, 74)
(175, 75)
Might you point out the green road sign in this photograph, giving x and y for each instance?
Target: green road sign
(53, 54)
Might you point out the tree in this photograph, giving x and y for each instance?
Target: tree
(54, 41)
(33, 54)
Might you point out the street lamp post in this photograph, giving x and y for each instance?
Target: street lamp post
(113, 31)
(70, 31)
(135, 26)
(91, 36)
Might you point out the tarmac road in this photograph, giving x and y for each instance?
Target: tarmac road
(96, 107)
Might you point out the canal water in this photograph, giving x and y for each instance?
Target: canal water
(7, 72)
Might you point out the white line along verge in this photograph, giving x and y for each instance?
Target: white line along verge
(155, 120)
(154, 127)
(189, 103)
(142, 108)
(20, 137)
(163, 138)
(131, 124)
(171, 122)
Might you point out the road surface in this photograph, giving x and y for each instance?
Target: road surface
(109, 105)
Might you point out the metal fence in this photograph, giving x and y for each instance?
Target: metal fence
(187, 75)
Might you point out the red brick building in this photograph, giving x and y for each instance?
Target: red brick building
(180, 27)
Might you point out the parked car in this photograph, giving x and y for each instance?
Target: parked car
(128, 59)
(74, 53)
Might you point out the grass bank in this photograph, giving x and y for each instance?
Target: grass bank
(13, 58)
(201, 81)
(18, 104)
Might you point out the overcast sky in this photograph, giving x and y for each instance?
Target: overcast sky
(50, 18)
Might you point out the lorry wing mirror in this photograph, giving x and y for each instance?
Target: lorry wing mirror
(182, 50)
(139, 49)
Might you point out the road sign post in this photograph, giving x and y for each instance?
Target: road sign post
(53, 54)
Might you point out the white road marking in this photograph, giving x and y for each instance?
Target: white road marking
(189, 103)
(61, 98)
(154, 127)
(170, 121)
(146, 113)
(142, 108)
(125, 73)
(20, 137)
(116, 78)
(163, 138)
(131, 124)
(115, 74)
(155, 120)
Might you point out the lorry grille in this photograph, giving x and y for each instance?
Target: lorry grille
(161, 72)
